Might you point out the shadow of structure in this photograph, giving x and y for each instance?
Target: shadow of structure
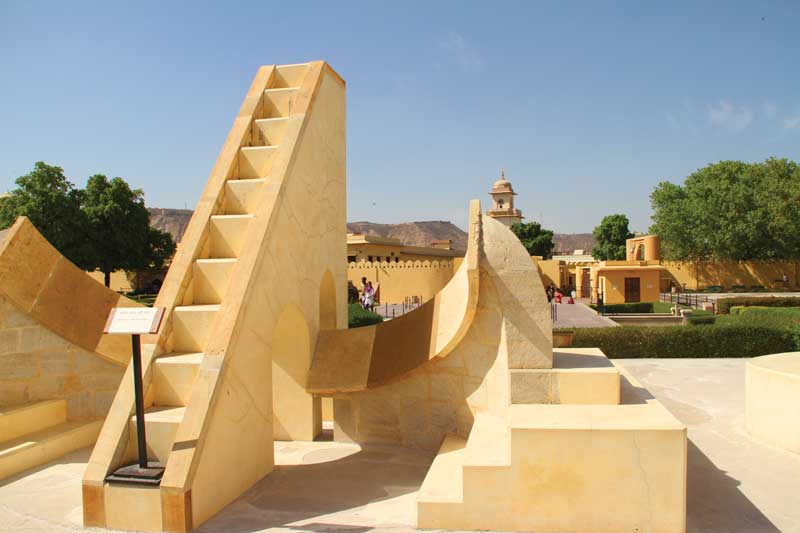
(714, 501)
(295, 493)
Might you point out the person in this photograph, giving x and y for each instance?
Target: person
(570, 300)
(785, 281)
(369, 296)
(558, 296)
(352, 293)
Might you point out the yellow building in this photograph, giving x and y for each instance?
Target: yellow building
(637, 279)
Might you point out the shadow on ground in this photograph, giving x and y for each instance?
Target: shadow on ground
(715, 503)
(296, 493)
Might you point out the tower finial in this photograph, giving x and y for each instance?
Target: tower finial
(502, 174)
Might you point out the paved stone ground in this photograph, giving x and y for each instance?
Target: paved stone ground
(579, 315)
(735, 484)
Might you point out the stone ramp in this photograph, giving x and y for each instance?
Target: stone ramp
(58, 372)
(244, 302)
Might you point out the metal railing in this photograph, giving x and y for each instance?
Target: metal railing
(693, 300)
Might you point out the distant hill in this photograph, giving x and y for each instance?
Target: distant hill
(173, 221)
(569, 242)
(414, 233)
(421, 233)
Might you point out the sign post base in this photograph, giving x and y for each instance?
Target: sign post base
(136, 475)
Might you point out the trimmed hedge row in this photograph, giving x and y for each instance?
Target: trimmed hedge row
(358, 316)
(724, 304)
(636, 307)
(734, 340)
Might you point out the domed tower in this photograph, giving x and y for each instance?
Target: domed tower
(503, 202)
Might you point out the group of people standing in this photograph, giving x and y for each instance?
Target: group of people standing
(367, 295)
(554, 294)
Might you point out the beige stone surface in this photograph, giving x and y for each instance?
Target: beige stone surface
(244, 294)
(736, 483)
(773, 400)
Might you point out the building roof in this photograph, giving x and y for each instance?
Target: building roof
(502, 185)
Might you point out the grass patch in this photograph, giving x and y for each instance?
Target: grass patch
(358, 317)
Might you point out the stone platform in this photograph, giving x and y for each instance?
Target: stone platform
(735, 483)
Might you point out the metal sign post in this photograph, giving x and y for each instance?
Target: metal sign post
(137, 321)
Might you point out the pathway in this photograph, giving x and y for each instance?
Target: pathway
(580, 316)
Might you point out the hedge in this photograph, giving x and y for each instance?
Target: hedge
(358, 317)
(724, 304)
(636, 307)
(734, 340)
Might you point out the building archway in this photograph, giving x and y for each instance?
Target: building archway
(296, 413)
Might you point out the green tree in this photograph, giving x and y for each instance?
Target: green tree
(119, 226)
(534, 238)
(731, 210)
(609, 238)
(53, 205)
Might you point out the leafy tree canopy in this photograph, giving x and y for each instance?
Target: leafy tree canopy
(53, 205)
(610, 237)
(731, 210)
(534, 238)
(119, 225)
(104, 227)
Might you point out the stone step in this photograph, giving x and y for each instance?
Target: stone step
(19, 420)
(289, 76)
(210, 280)
(255, 162)
(161, 424)
(173, 377)
(191, 326)
(268, 131)
(40, 447)
(241, 196)
(227, 233)
(278, 103)
(443, 482)
(489, 442)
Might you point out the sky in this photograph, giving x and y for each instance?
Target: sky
(585, 105)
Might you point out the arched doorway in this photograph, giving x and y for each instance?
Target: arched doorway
(296, 413)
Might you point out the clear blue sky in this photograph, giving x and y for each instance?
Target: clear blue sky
(585, 105)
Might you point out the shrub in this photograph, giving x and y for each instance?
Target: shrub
(713, 288)
(724, 304)
(733, 340)
(358, 317)
(637, 307)
(701, 318)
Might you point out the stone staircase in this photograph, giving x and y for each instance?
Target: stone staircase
(39, 432)
(174, 373)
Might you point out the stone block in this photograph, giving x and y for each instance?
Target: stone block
(443, 417)
(47, 388)
(80, 405)
(102, 401)
(475, 390)
(56, 363)
(446, 387)
(13, 393)
(86, 362)
(19, 366)
(9, 341)
(531, 386)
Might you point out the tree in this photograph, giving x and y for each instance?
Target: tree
(536, 240)
(610, 237)
(119, 226)
(731, 210)
(53, 205)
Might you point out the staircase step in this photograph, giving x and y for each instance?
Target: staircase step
(443, 482)
(289, 75)
(191, 326)
(46, 445)
(227, 235)
(278, 103)
(19, 420)
(161, 424)
(269, 131)
(173, 377)
(255, 162)
(241, 196)
(489, 442)
(210, 280)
